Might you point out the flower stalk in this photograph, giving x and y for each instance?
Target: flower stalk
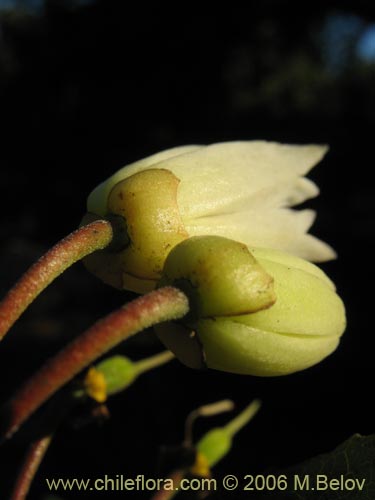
(82, 242)
(30, 466)
(176, 477)
(161, 305)
(146, 364)
(50, 421)
(242, 418)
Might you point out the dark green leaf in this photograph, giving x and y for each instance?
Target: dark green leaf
(346, 473)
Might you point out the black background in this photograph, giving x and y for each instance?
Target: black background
(87, 89)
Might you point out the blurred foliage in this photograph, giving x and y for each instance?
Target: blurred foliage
(84, 85)
(275, 55)
(87, 84)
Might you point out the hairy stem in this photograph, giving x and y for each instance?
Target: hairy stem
(85, 240)
(51, 419)
(30, 466)
(167, 494)
(164, 304)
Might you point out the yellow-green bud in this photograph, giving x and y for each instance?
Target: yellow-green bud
(216, 443)
(108, 377)
(300, 329)
(118, 371)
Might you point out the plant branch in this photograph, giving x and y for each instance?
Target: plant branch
(53, 416)
(176, 477)
(30, 466)
(164, 304)
(85, 240)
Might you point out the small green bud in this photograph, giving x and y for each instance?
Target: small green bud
(119, 372)
(300, 329)
(108, 377)
(216, 443)
(116, 373)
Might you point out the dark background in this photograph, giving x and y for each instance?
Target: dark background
(86, 87)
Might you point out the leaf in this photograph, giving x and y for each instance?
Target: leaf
(346, 473)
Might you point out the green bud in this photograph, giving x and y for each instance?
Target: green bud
(216, 443)
(116, 373)
(300, 329)
(119, 372)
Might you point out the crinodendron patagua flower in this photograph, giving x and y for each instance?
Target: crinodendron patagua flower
(239, 190)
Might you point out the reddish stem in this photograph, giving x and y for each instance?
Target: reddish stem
(177, 476)
(85, 240)
(30, 466)
(51, 420)
(164, 304)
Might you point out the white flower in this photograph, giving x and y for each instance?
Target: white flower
(239, 190)
(260, 312)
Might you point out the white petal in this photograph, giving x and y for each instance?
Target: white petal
(302, 190)
(282, 229)
(237, 189)
(220, 177)
(286, 194)
(97, 200)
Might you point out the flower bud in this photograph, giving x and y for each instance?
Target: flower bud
(108, 377)
(215, 445)
(217, 442)
(296, 331)
(116, 373)
(197, 190)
